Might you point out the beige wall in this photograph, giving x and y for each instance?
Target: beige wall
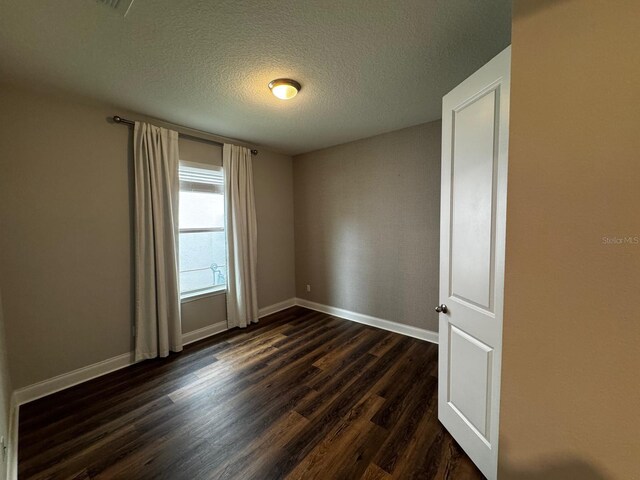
(367, 225)
(203, 311)
(571, 360)
(66, 234)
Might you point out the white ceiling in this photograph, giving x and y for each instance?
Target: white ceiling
(366, 66)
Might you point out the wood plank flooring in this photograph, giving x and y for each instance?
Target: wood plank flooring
(301, 395)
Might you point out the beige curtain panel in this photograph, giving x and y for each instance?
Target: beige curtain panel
(157, 311)
(242, 237)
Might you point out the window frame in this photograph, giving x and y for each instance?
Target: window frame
(217, 289)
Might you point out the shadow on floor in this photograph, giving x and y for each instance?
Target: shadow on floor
(570, 469)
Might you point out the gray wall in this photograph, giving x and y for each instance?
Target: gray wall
(273, 186)
(367, 225)
(66, 234)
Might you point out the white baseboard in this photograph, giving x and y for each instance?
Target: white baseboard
(202, 333)
(66, 380)
(12, 441)
(276, 307)
(415, 332)
(69, 379)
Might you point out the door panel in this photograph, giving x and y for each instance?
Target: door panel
(475, 126)
(472, 201)
(469, 379)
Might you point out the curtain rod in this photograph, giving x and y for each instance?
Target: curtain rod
(118, 119)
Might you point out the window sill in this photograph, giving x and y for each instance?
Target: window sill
(190, 297)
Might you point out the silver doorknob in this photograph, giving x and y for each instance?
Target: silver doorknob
(442, 308)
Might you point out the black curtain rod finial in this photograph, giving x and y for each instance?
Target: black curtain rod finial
(118, 119)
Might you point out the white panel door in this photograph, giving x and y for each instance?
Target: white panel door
(475, 136)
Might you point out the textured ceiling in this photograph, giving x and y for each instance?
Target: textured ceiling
(366, 66)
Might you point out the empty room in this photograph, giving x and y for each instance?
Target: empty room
(319, 239)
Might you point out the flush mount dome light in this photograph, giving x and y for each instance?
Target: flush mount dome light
(284, 88)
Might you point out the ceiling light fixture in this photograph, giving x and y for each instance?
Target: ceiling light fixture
(284, 88)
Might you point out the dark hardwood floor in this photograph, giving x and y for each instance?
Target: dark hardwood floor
(301, 395)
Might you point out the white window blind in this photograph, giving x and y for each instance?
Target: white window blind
(198, 179)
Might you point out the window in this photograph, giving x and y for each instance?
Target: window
(203, 254)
